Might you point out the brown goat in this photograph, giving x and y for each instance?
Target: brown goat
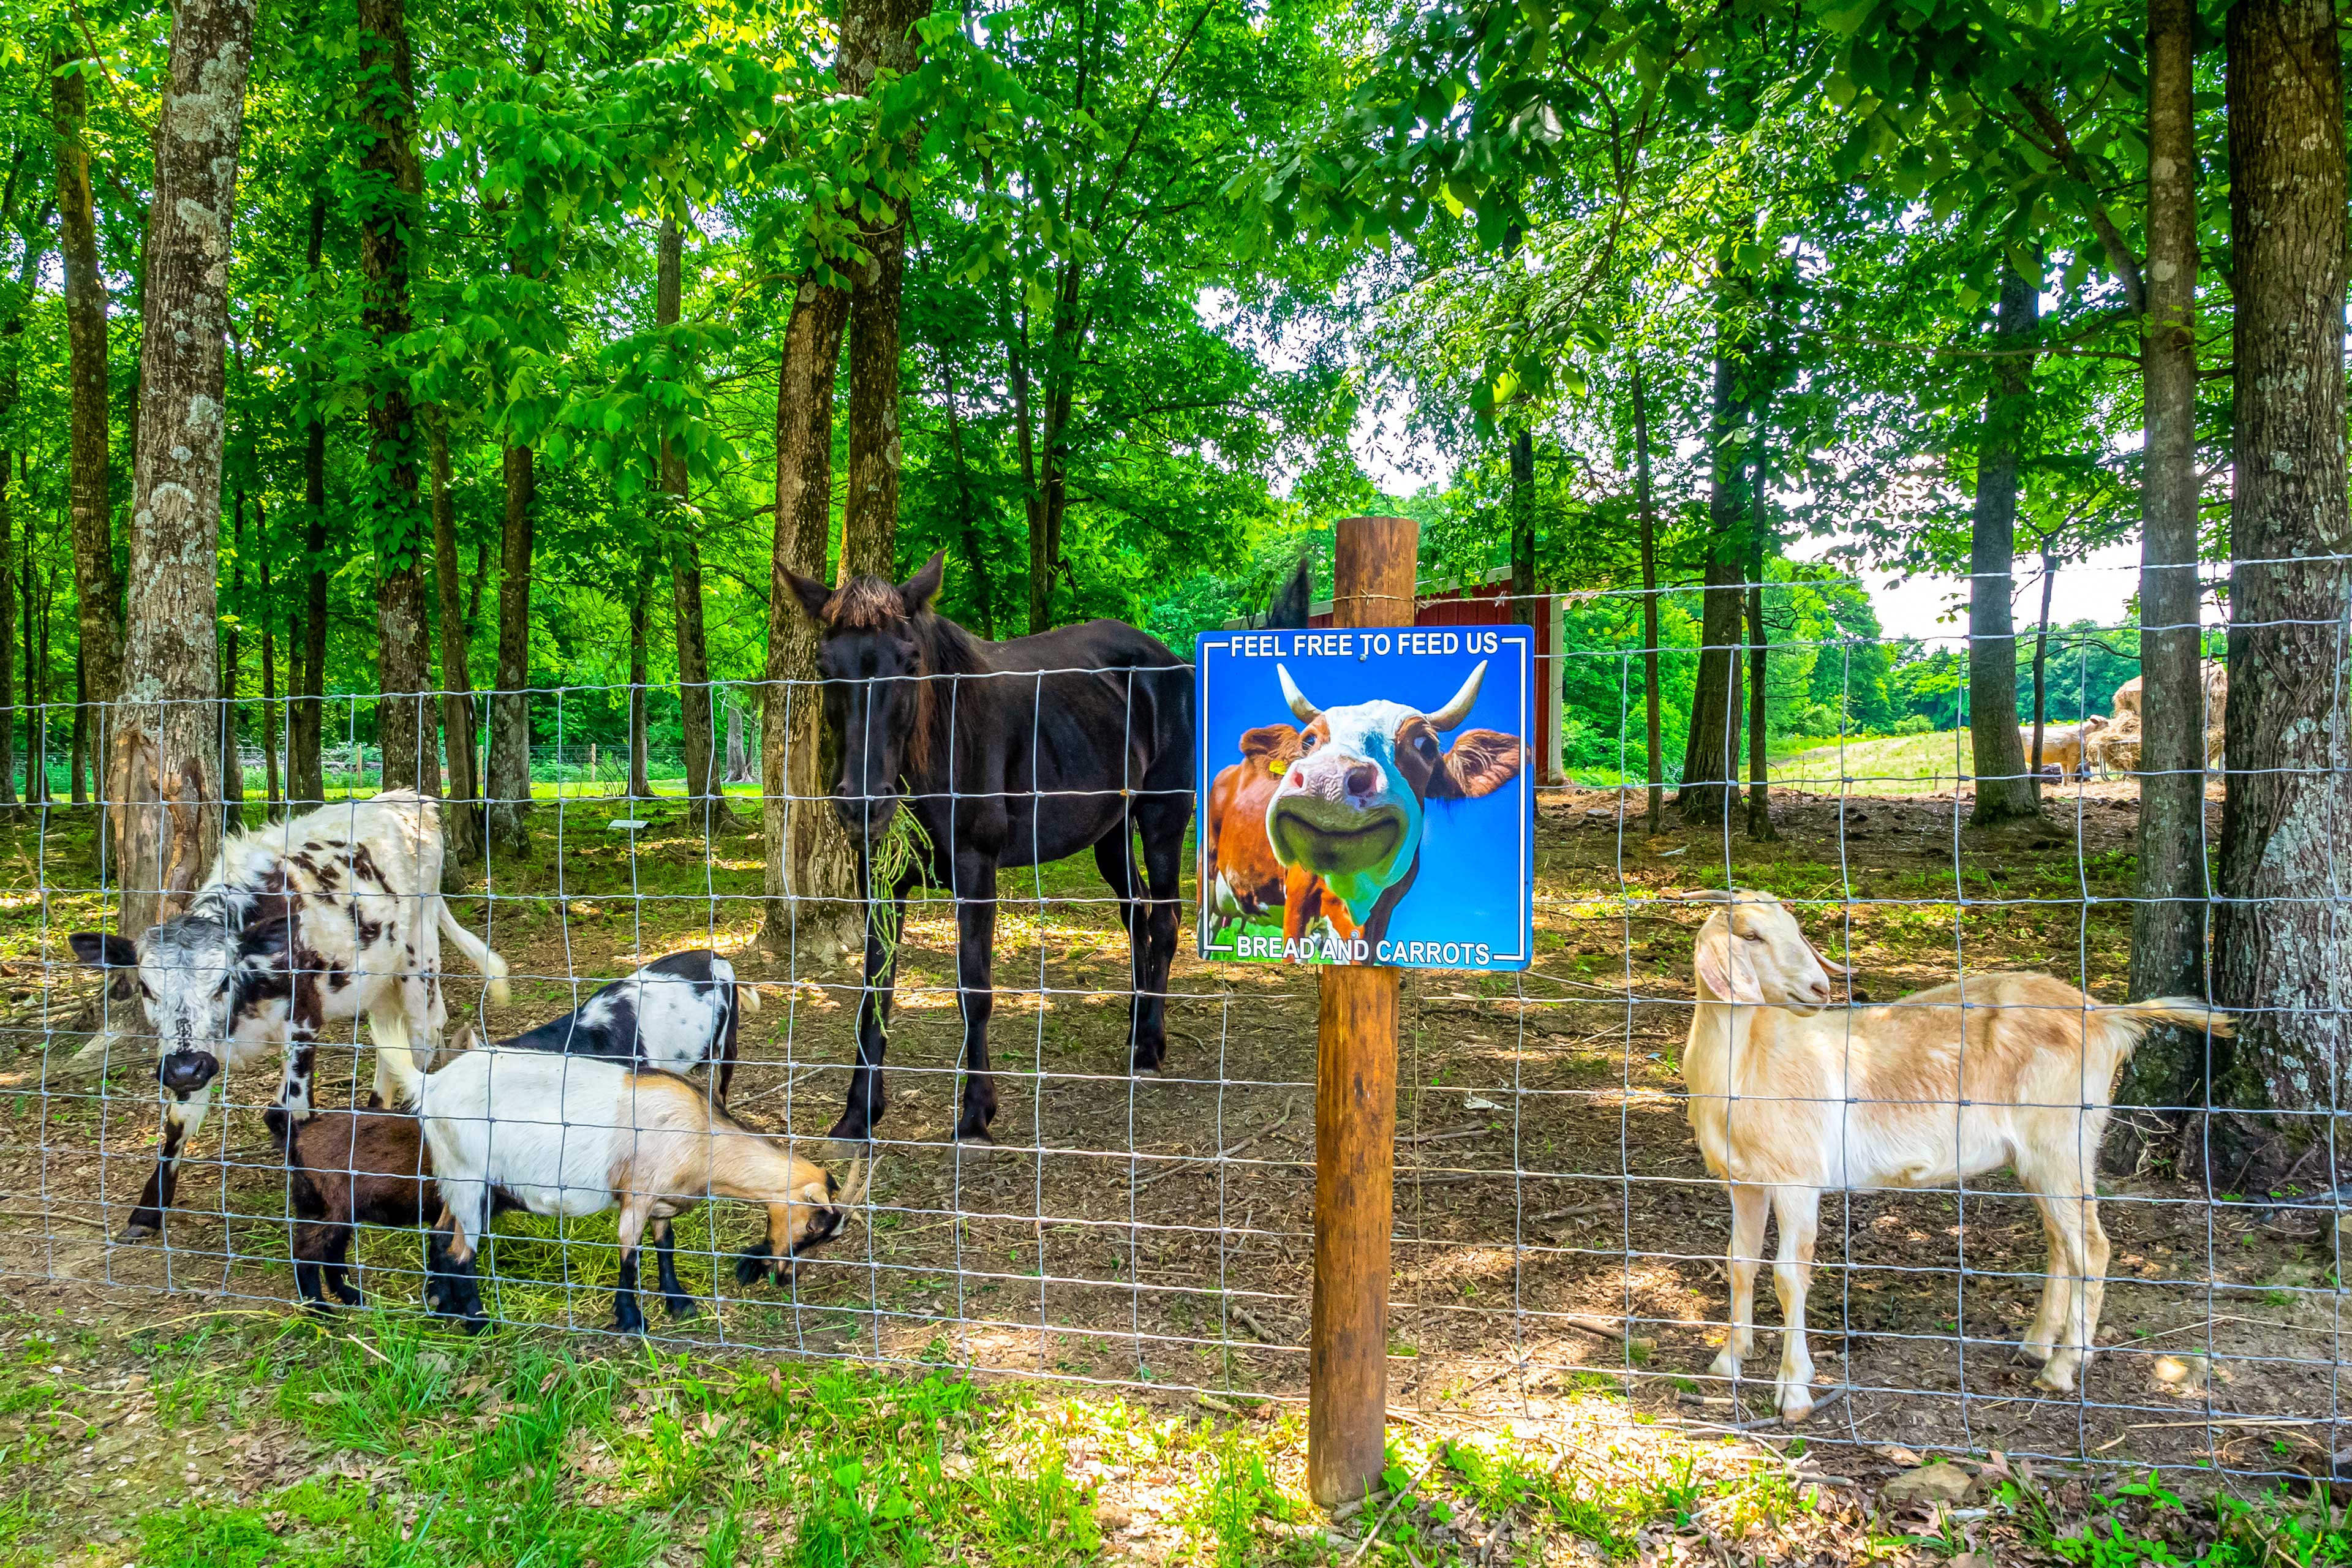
(349, 1168)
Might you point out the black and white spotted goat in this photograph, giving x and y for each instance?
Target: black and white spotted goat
(312, 921)
(674, 1015)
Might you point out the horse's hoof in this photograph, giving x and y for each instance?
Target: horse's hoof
(2025, 1354)
(682, 1307)
(139, 1230)
(975, 1137)
(851, 1130)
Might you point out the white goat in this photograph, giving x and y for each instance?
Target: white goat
(578, 1135)
(1790, 1097)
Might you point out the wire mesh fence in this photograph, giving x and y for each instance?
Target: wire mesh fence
(1561, 1222)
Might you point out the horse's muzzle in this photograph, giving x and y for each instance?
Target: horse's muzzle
(185, 1072)
(865, 816)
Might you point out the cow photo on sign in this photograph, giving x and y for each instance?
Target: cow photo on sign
(1365, 796)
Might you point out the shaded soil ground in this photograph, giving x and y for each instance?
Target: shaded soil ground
(1555, 1236)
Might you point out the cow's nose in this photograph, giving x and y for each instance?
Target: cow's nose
(184, 1072)
(1363, 779)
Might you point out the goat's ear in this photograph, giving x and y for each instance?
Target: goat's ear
(1830, 964)
(918, 591)
(104, 950)
(1270, 741)
(1713, 961)
(811, 594)
(1480, 762)
(272, 937)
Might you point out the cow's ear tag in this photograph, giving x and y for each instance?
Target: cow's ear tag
(1276, 766)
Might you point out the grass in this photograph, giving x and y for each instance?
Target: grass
(387, 1441)
(384, 1441)
(1887, 765)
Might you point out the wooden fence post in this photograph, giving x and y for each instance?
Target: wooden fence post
(1355, 1116)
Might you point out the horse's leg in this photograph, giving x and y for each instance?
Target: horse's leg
(865, 1098)
(1161, 820)
(1115, 858)
(976, 897)
(183, 1114)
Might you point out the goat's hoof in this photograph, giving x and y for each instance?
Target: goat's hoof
(140, 1230)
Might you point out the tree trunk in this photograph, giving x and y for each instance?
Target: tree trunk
(706, 804)
(739, 757)
(877, 36)
(9, 613)
(1710, 775)
(36, 777)
(232, 765)
(77, 765)
(168, 670)
(306, 772)
(507, 822)
(462, 820)
(811, 871)
(387, 199)
(97, 592)
(269, 785)
(1759, 785)
(2004, 793)
(975, 556)
(2167, 948)
(41, 665)
(1654, 756)
(2282, 953)
(1524, 606)
(1024, 445)
(12, 340)
(641, 786)
(2040, 666)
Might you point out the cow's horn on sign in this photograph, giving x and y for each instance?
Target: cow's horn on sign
(1453, 713)
(1306, 711)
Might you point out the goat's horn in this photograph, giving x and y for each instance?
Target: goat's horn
(1453, 713)
(1305, 711)
(853, 1191)
(1710, 896)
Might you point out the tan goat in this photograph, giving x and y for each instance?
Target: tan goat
(1790, 1098)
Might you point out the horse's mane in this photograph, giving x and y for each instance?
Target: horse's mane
(941, 649)
(870, 604)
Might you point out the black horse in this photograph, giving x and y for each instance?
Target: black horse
(1008, 754)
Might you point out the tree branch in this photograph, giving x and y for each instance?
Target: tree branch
(2120, 256)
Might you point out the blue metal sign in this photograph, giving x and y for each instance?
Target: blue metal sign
(1365, 796)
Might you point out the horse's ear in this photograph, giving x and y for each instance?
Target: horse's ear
(811, 594)
(916, 593)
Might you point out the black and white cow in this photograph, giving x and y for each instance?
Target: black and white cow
(315, 920)
(674, 1013)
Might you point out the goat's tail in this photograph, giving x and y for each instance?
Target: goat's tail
(2133, 1019)
(478, 952)
(396, 1055)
